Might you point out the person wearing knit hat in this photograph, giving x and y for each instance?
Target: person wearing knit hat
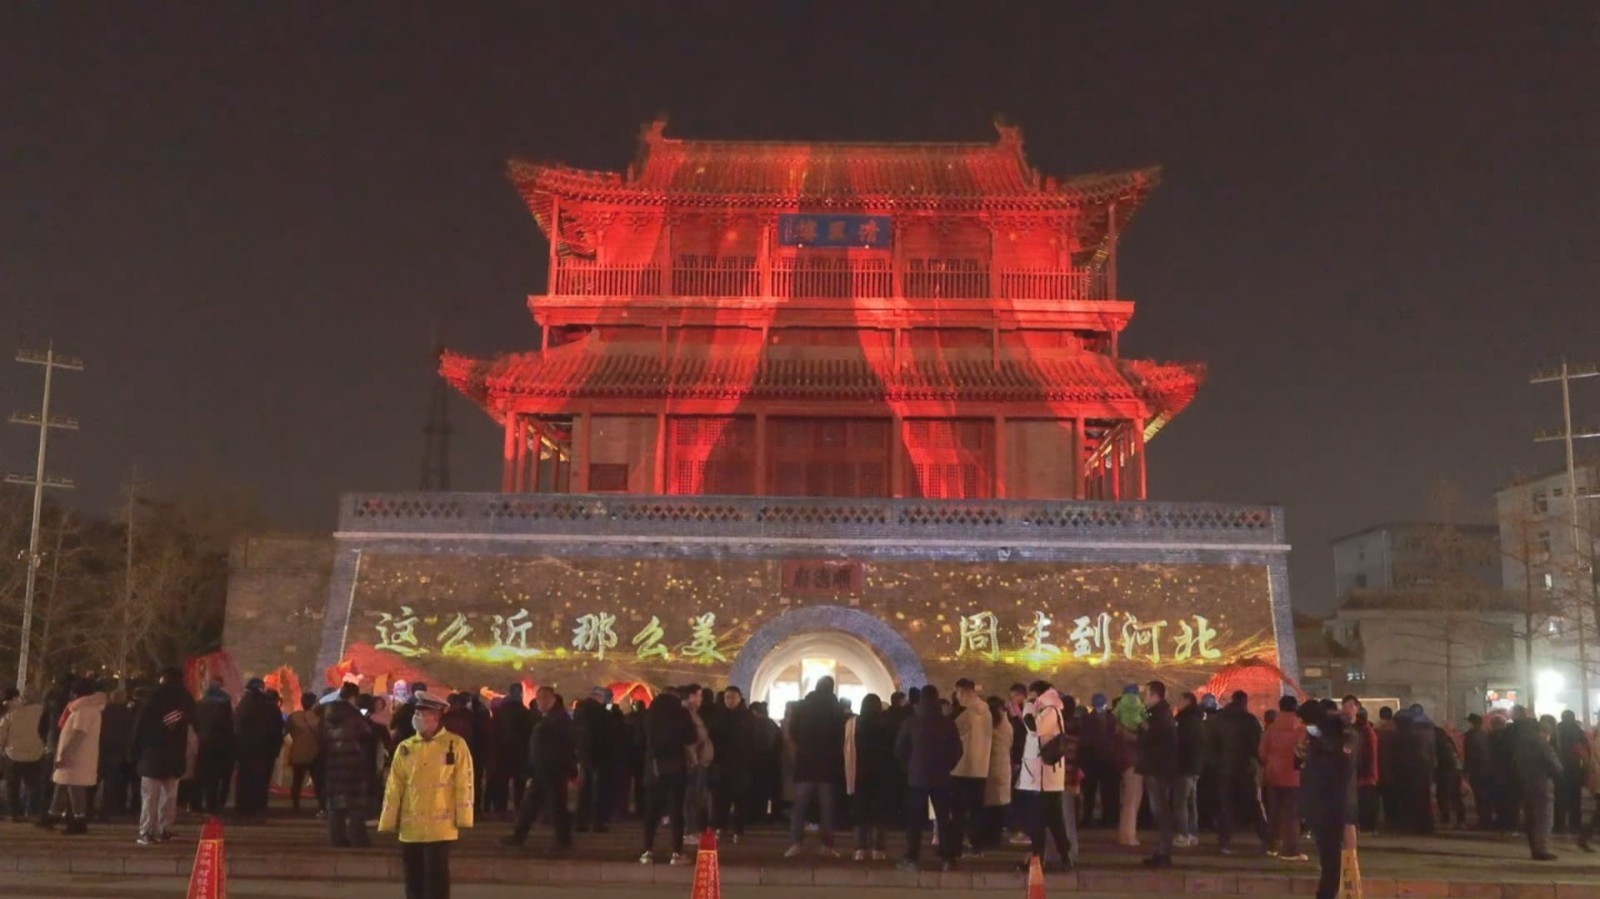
(428, 799)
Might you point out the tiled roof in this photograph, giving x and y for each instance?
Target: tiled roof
(871, 176)
(578, 370)
(679, 168)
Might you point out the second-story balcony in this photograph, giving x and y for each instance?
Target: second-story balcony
(829, 278)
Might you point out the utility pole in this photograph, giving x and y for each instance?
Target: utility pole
(1566, 375)
(44, 421)
(125, 634)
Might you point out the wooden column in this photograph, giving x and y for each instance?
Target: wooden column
(666, 264)
(1080, 474)
(762, 485)
(508, 462)
(1138, 457)
(555, 244)
(764, 260)
(1115, 458)
(578, 482)
(660, 476)
(1001, 488)
(897, 265)
(897, 456)
(1111, 252)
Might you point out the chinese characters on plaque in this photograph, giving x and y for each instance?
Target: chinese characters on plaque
(802, 578)
(805, 229)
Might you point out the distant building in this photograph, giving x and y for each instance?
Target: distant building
(1405, 554)
(1543, 562)
(1417, 646)
(1325, 663)
(1422, 618)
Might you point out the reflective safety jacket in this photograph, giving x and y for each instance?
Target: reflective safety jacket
(429, 795)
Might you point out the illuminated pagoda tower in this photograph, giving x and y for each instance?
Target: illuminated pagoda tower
(802, 409)
(930, 320)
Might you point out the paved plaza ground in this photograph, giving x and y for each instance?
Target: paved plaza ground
(289, 854)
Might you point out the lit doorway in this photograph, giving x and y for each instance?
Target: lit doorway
(792, 670)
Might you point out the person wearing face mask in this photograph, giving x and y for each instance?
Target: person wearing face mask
(429, 799)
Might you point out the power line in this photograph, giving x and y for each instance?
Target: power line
(50, 360)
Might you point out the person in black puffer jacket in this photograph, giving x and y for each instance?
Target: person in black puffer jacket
(512, 728)
(669, 732)
(346, 740)
(214, 762)
(818, 730)
(928, 747)
(1328, 795)
(1191, 761)
(1235, 737)
(161, 744)
(1158, 764)
(257, 737)
(597, 745)
(552, 763)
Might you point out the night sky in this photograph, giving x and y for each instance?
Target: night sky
(1374, 221)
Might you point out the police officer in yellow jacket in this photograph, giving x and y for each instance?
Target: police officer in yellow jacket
(428, 799)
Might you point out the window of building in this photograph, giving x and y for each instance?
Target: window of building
(1549, 582)
(1499, 645)
(608, 477)
(1541, 542)
(1557, 491)
(1361, 580)
(1541, 502)
(1355, 674)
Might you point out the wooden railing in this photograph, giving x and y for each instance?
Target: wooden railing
(716, 281)
(587, 279)
(1040, 284)
(842, 279)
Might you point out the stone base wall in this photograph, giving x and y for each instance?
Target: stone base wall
(466, 590)
(277, 595)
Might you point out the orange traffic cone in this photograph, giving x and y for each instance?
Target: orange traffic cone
(209, 879)
(1035, 878)
(707, 875)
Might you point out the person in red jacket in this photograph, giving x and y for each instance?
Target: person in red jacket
(1280, 757)
(1366, 766)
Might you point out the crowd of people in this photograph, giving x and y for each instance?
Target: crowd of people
(978, 774)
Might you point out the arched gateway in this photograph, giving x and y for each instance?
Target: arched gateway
(864, 655)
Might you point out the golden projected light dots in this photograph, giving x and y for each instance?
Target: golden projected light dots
(1062, 615)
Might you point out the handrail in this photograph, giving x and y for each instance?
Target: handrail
(829, 278)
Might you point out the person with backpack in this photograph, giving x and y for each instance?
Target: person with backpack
(1049, 769)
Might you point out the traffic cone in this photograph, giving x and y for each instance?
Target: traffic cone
(209, 879)
(1035, 878)
(1350, 868)
(707, 875)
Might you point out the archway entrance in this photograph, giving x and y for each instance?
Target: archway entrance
(793, 667)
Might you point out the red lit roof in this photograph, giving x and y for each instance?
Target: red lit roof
(585, 370)
(878, 177)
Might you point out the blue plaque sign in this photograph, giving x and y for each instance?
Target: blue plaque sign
(804, 229)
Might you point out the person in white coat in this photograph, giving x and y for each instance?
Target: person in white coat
(77, 766)
(1041, 786)
(22, 756)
